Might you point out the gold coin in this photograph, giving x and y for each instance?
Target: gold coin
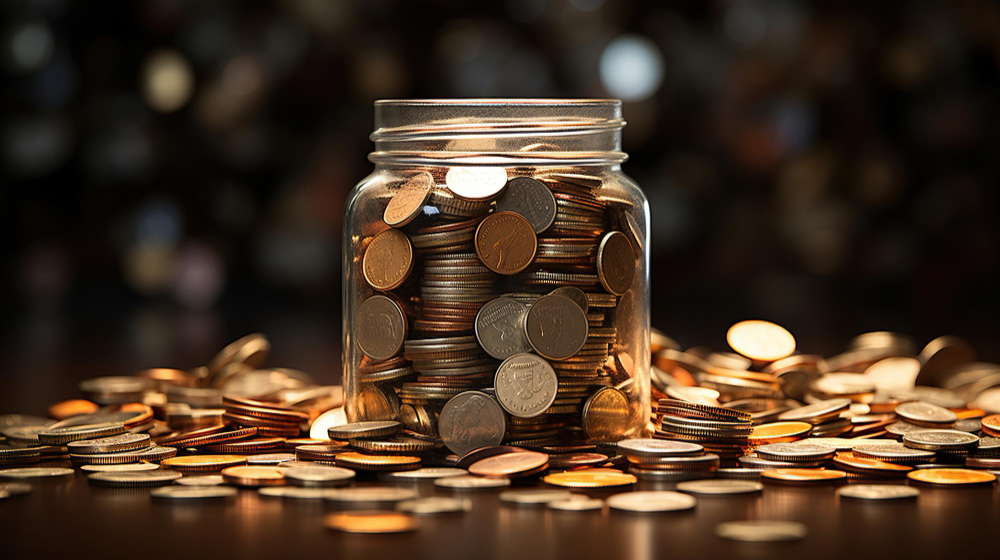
(73, 407)
(388, 260)
(505, 242)
(352, 459)
(371, 522)
(590, 478)
(254, 476)
(193, 463)
(851, 461)
(779, 432)
(409, 200)
(606, 415)
(804, 476)
(951, 477)
(761, 340)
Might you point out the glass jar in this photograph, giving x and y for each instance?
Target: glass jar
(496, 283)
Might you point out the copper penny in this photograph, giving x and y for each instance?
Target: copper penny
(371, 522)
(505, 242)
(203, 463)
(803, 476)
(65, 409)
(616, 263)
(406, 204)
(779, 432)
(254, 476)
(761, 340)
(951, 477)
(510, 464)
(361, 461)
(381, 327)
(388, 260)
(590, 478)
(606, 415)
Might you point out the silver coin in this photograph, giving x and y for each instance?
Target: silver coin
(201, 480)
(499, 328)
(373, 428)
(878, 491)
(112, 444)
(470, 482)
(193, 492)
(424, 473)
(743, 473)
(540, 496)
(134, 478)
(471, 420)
(381, 327)
(433, 505)
(556, 327)
(129, 467)
(651, 447)
(35, 472)
(11, 489)
(476, 183)
(926, 413)
(370, 494)
(576, 503)
(841, 444)
(902, 428)
(297, 463)
(526, 385)
(270, 459)
(817, 412)
(319, 476)
(719, 487)
(892, 452)
(795, 451)
(651, 501)
(940, 440)
(531, 199)
(761, 531)
(295, 492)
(62, 436)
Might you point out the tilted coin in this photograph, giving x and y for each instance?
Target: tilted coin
(616, 263)
(319, 476)
(951, 477)
(719, 487)
(817, 412)
(471, 420)
(574, 294)
(371, 522)
(254, 476)
(576, 503)
(134, 479)
(761, 531)
(925, 413)
(510, 464)
(777, 432)
(761, 340)
(112, 444)
(371, 494)
(329, 419)
(505, 243)
(878, 491)
(651, 447)
(120, 468)
(434, 505)
(35, 472)
(499, 328)
(476, 183)
(388, 260)
(252, 350)
(11, 489)
(471, 482)
(651, 501)
(193, 493)
(526, 385)
(62, 436)
(606, 415)
(371, 429)
(534, 496)
(203, 480)
(556, 327)
(531, 199)
(590, 478)
(941, 440)
(381, 327)
(406, 204)
(270, 459)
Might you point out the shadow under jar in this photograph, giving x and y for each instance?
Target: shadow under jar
(496, 285)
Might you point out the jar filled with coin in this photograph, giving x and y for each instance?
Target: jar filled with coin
(496, 283)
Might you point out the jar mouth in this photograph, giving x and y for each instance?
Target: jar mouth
(498, 131)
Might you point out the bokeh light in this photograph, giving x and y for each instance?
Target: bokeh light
(631, 68)
(167, 81)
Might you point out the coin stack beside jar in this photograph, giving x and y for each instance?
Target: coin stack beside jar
(493, 313)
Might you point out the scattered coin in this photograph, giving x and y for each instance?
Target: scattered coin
(120, 468)
(319, 476)
(590, 478)
(534, 496)
(35, 472)
(878, 491)
(719, 487)
(203, 463)
(134, 479)
(761, 531)
(925, 414)
(371, 494)
(11, 489)
(254, 477)
(606, 415)
(651, 447)
(795, 451)
(193, 492)
(371, 522)
(423, 473)
(951, 477)
(803, 476)
(294, 492)
(372, 429)
(518, 463)
(651, 501)
(761, 340)
(471, 482)
(941, 440)
(576, 503)
(434, 505)
(203, 480)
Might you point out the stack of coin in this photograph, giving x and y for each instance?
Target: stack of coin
(269, 419)
(722, 431)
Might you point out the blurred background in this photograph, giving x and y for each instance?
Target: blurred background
(174, 171)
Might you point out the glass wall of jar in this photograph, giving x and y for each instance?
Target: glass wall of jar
(496, 282)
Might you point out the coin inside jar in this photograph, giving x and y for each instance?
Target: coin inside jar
(406, 204)
(505, 242)
(471, 420)
(606, 415)
(476, 183)
(381, 327)
(388, 260)
(499, 328)
(616, 263)
(526, 385)
(531, 199)
(556, 327)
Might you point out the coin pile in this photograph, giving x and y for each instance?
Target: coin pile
(493, 285)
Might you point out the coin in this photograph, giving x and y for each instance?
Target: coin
(319, 476)
(796, 451)
(505, 243)
(35, 472)
(120, 468)
(526, 385)
(531, 199)
(406, 204)
(471, 420)
(576, 503)
(203, 463)
(606, 415)
(476, 183)
(62, 436)
(204, 480)
(651, 501)
(941, 440)
(294, 492)
(574, 294)
(193, 492)
(867, 465)
(893, 452)
(112, 444)
(760, 340)
(65, 409)
(371, 429)
(359, 461)
(370, 494)
(252, 350)
(270, 459)
(434, 505)
(556, 327)
(719, 487)
(423, 473)
(388, 260)
(616, 263)
(818, 412)
(329, 419)
(11, 489)
(381, 327)
(513, 464)
(371, 522)
(951, 477)
(803, 476)
(134, 479)
(534, 496)
(922, 413)
(499, 329)
(651, 447)
(254, 476)
(590, 478)
(777, 432)
(878, 492)
(761, 531)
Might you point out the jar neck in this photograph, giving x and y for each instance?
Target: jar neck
(498, 132)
